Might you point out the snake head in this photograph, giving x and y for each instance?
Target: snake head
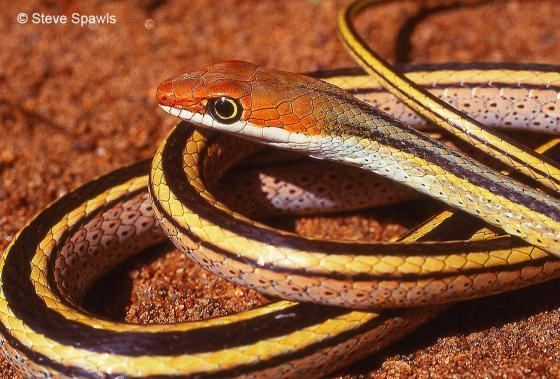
(254, 102)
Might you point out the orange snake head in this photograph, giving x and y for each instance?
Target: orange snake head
(251, 101)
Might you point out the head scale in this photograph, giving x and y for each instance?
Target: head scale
(243, 98)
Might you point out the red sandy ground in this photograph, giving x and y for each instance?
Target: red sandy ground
(77, 102)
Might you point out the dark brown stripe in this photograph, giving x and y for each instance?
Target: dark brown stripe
(516, 196)
(74, 371)
(482, 66)
(340, 276)
(307, 351)
(452, 85)
(40, 359)
(443, 104)
(172, 163)
(28, 307)
(424, 151)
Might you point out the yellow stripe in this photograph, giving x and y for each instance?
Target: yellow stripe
(443, 115)
(442, 78)
(350, 262)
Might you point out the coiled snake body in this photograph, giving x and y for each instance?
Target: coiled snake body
(47, 268)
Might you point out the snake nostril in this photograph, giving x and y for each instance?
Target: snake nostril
(165, 94)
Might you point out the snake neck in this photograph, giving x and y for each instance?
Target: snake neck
(357, 134)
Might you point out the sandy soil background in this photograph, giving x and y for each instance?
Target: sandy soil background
(76, 102)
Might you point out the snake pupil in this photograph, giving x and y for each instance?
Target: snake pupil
(225, 110)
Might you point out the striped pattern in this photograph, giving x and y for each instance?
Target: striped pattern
(511, 153)
(45, 333)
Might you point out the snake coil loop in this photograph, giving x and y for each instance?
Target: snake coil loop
(49, 266)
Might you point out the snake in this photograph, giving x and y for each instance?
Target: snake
(338, 301)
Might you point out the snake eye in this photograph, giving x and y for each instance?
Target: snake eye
(225, 109)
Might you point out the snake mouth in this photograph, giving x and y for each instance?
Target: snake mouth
(172, 110)
(186, 115)
(244, 129)
(177, 111)
(203, 120)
